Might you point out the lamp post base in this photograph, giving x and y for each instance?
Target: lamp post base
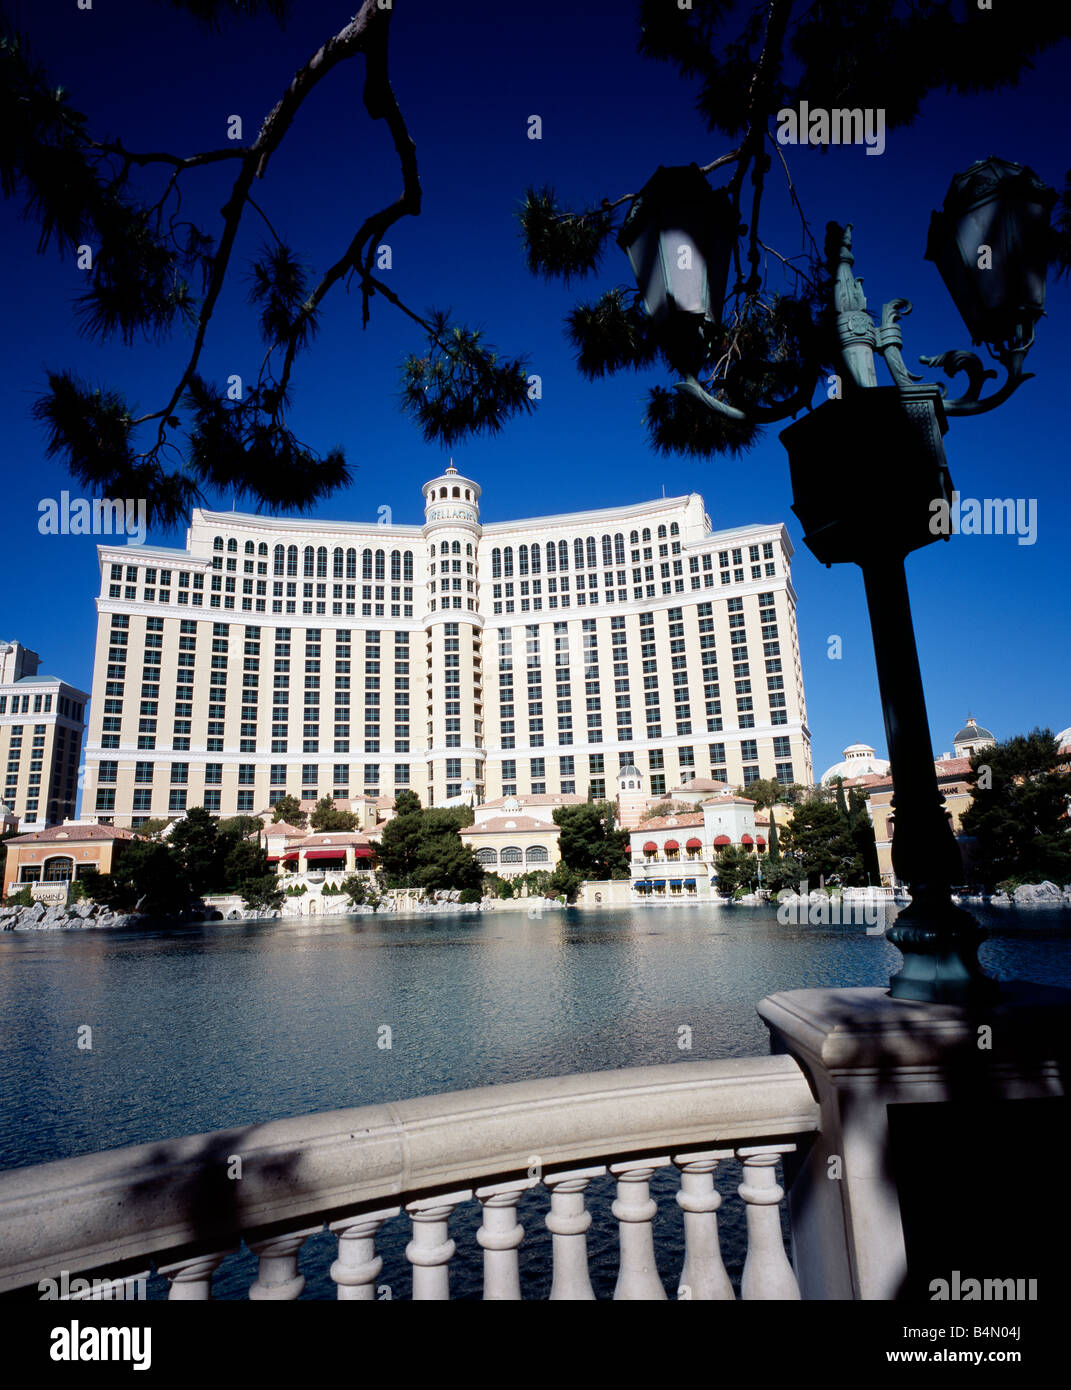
(940, 950)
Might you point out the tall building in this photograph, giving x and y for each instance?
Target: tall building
(529, 657)
(42, 720)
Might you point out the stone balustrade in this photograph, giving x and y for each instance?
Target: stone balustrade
(186, 1204)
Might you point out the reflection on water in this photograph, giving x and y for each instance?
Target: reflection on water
(210, 1026)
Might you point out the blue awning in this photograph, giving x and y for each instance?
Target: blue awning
(675, 883)
(689, 883)
(643, 886)
(658, 882)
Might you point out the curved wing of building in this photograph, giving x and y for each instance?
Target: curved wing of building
(530, 657)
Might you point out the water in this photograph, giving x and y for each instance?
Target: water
(210, 1026)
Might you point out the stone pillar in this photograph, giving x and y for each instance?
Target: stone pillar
(635, 1209)
(358, 1266)
(879, 1166)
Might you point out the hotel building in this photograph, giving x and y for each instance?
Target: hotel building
(42, 720)
(454, 659)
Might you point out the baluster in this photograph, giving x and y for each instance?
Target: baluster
(637, 1276)
(703, 1276)
(431, 1249)
(358, 1266)
(191, 1280)
(500, 1235)
(568, 1222)
(767, 1272)
(277, 1268)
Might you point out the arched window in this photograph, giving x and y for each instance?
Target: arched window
(607, 551)
(578, 554)
(366, 564)
(232, 546)
(249, 548)
(217, 543)
(619, 548)
(646, 534)
(381, 564)
(674, 529)
(468, 548)
(291, 559)
(535, 559)
(262, 549)
(442, 492)
(59, 869)
(487, 856)
(456, 492)
(468, 495)
(496, 563)
(310, 561)
(634, 538)
(522, 559)
(351, 564)
(396, 564)
(337, 561)
(512, 855)
(507, 561)
(321, 562)
(279, 560)
(563, 555)
(536, 854)
(407, 567)
(455, 548)
(661, 533)
(552, 563)
(592, 560)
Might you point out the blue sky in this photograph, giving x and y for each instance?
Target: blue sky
(990, 614)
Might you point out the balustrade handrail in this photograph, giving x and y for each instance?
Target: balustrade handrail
(183, 1195)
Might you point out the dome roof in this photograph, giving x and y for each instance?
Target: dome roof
(629, 770)
(971, 732)
(1063, 739)
(859, 760)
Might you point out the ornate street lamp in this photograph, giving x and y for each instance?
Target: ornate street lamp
(990, 244)
(679, 236)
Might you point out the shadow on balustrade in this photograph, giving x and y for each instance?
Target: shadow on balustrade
(977, 1172)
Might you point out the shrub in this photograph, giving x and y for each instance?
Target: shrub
(470, 895)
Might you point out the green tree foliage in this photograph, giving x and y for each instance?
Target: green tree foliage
(194, 841)
(355, 887)
(146, 876)
(767, 791)
(746, 63)
(288, 809)
(159, 273)
(565, 882)
(405, 803)
(422, 849)
(589, 844)
(820, 840)
(244, 827)
(327, 816)
(1019, 811)
(736, 868)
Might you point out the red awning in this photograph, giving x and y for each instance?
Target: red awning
(671, 844)
(746, 840)
(694, 844)
(362, 852)
(761, 842)
(722, 840)
(650, 847)
(339, 853)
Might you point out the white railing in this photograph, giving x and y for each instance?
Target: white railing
(184, 1205)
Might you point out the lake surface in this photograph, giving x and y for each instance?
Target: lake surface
(208, 1026)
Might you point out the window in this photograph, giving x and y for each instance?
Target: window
(180, 772)
(177, 800)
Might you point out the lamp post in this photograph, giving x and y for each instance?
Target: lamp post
(990, 245)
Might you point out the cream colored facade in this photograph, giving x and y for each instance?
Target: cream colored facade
(525, 657)
(42, 720)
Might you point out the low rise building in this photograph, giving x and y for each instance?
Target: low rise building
(676, 856)
(63, 853)
(513, 835)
